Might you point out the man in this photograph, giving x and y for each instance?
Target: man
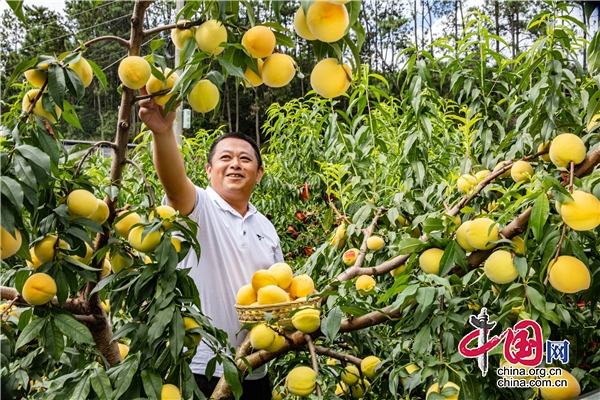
(236, 240)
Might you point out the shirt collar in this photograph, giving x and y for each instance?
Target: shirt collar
(222, 204)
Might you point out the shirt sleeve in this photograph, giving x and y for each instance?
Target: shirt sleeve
(201, 198)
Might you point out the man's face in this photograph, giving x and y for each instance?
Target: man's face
(234, 169)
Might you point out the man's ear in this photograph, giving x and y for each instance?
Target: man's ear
(208, 170)
(259, 176)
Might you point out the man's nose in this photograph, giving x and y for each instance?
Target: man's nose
(235, 162)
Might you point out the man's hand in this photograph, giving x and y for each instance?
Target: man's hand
(153, 115)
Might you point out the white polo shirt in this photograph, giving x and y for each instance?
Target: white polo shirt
(232, 249)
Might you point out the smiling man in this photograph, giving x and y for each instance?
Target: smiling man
(236, 240)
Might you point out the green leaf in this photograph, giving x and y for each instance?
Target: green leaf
(17, 7)
(152, 384)
(355, 51)
(188, 49)
(22, 67)
(98, 72)
(451, 253)
(62, 285)
(231, 69)
(407, 293)
(123, 381)
(362, 214)
(12, 190)
(537, 300)
(30, 332)
(284, 40)
(25, 318)
(79, 264)
(176, 335)
(160, 322)
(330, 325)
(521, 266)
(422, 340)
(321, 49)
(156, 44)
(73, 328)
(124, 330)
(56, 84)
(74, 84)
(81, 391)
(216, 78)
(433, 224)
(35, 155)
(232, 378)
(54, 342)
(49, 144)
(70, 115)
(408, 246)
(425, 296)
(103, 283)
(101, 384)
(24, 172)
(593, 57)
(539, 215)
(20, 279)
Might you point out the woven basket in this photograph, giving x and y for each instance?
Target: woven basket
(248, 314)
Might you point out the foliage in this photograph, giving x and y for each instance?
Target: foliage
(462, 107)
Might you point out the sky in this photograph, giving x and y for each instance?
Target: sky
(55, 5)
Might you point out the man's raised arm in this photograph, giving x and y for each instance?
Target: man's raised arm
(180, 191)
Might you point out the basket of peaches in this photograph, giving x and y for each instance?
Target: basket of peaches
(278, 292)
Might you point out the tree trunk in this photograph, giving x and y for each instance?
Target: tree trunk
(516, 13)
(462, 16)
(430, 25)
(456, 19)
(103, 341)
(227, 105)
(256, 120)
(512, 32)
(416, 27)
(101, 117)
(237, 108)
(423, 24)
(497, 22)
(585, 24)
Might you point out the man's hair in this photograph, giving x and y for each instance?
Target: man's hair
(235, 135)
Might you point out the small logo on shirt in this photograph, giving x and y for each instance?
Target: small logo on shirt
(260, 237)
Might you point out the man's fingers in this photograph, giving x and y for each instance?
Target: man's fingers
(143, 91)
(147, 103)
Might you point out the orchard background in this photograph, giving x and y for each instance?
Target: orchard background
(496, 83)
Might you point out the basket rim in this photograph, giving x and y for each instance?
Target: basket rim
(314, 299)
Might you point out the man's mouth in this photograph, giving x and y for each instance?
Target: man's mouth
(235, 176)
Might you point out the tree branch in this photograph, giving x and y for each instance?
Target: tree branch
(324, 351)
(74, 306)
(587, 166)
(87, 154)
(179, 24)
(367, 233)
(519, 224)
(148, 188)
(298, 339)
(337, 212)
(86, 319)
(313, 356)
(117, 39)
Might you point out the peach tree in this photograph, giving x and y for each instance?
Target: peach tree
(96, 306)
(339, 172)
